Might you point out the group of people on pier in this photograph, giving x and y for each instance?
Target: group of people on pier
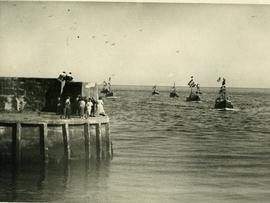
(83, 107)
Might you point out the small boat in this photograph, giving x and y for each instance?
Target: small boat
(155, 91)
(222, 102)
(109, 93)
(106, 89)
(173, 92)
(194, 96)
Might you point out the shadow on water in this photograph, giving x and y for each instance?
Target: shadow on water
(53, 182)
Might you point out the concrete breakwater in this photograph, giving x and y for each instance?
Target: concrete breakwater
(45, 137)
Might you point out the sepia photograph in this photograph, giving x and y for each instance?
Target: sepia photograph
(137, 101)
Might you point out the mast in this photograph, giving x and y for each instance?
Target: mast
(222, 91)
(173, 88)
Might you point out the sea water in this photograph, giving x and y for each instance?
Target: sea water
(165, 150)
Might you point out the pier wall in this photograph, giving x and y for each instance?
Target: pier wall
(55, 141)
(40, 94)
(37, 94)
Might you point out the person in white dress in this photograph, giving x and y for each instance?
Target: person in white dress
(89, 105)
(82, 108)
(100, 108)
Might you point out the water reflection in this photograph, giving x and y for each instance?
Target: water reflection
(53, 182)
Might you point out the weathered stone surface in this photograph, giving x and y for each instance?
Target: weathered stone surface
(37, 94)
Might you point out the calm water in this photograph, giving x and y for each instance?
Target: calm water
(165, 150)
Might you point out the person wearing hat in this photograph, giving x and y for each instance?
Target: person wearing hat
(69, 77)
(62, 76)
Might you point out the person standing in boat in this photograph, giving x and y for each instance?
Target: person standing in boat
(222, 101)
(155, 91)
(105, 86)
(222, 90)
(198, 91)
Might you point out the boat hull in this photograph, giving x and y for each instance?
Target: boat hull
(193, 98)
(109, 94)
(104, 91)
(155, 93)
(173, 94)
(223, 104)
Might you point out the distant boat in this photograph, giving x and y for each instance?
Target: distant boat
(155, 91)
(173, 92)
(222, 102)
(194, 96)
(106, 89)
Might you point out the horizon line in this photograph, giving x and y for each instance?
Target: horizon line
(139, 84)
(188, 87)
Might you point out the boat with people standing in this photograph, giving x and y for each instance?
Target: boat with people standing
(222, 101)
(155, 90)
(173, 92)
(107, 89)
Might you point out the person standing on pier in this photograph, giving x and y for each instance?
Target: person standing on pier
(100, 108)
(67, 109)
(77, 104)
(58, 106)
(69, 77)
(94, 107)
(81, 107)
(62, 76)
(88, 108)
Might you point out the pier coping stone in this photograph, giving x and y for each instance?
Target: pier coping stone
(49, 119)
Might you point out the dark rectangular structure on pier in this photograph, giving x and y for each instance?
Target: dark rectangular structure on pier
(40, 94)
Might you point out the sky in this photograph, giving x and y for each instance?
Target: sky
(137, 43)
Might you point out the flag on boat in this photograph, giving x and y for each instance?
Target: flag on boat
(223, 81)
(191, 83)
